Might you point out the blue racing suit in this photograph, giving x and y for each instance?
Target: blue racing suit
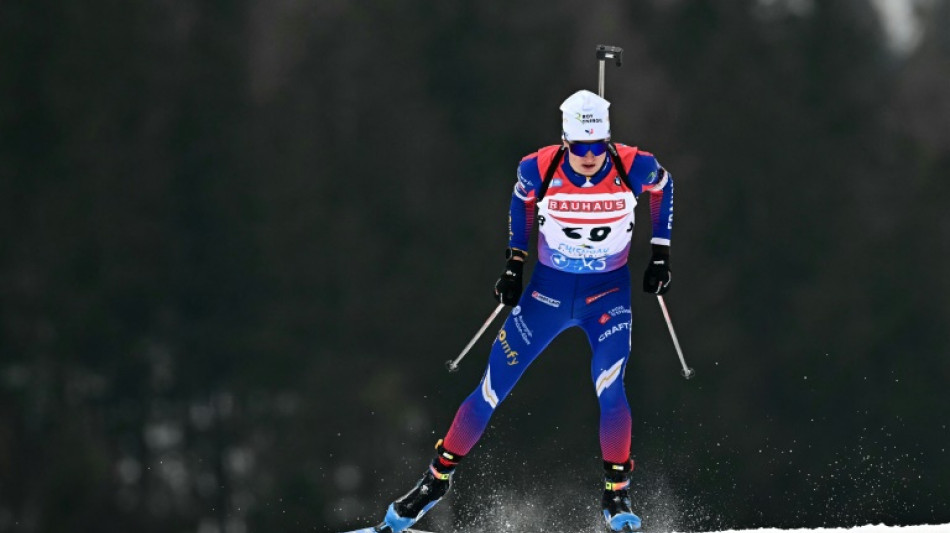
(585, 227)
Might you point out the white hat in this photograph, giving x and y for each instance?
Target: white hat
(585, 117)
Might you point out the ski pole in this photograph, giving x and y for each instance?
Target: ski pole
(604, 53)
(453, 364)
(687, 371)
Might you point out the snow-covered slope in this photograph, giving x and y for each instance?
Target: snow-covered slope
(940, 528)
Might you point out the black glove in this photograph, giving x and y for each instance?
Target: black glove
(509, 285)
(657, 278)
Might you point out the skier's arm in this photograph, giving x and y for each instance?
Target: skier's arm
(647, 174)
(520, 223)
(661, 208)
(521, 211)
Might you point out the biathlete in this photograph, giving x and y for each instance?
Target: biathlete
(584, 191)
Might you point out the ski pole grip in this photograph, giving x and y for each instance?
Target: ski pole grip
(605, 52)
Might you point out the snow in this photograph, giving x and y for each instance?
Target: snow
(871, 528)
(880, 528)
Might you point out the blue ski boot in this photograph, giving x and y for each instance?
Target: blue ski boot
(616, 500)
(406, 511)
(435, 483)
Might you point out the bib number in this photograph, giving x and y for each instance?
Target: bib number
(596, 234)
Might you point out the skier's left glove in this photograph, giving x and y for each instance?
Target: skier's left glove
(657, 278)
(509, 285)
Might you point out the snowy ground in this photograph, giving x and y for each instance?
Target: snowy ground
(939, 528)
(483, 503)
(862, 529)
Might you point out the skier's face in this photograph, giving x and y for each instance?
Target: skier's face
(587, 164)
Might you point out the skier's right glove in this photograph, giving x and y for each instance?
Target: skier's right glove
(509, 285)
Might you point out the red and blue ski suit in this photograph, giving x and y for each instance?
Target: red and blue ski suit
(585, 227)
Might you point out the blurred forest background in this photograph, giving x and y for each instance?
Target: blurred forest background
(238, 240)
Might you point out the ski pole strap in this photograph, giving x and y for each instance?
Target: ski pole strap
(549, 173)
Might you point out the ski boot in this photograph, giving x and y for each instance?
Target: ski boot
(616, 500)
(435, 483)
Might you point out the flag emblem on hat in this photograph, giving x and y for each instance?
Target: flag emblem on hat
(590, 131)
